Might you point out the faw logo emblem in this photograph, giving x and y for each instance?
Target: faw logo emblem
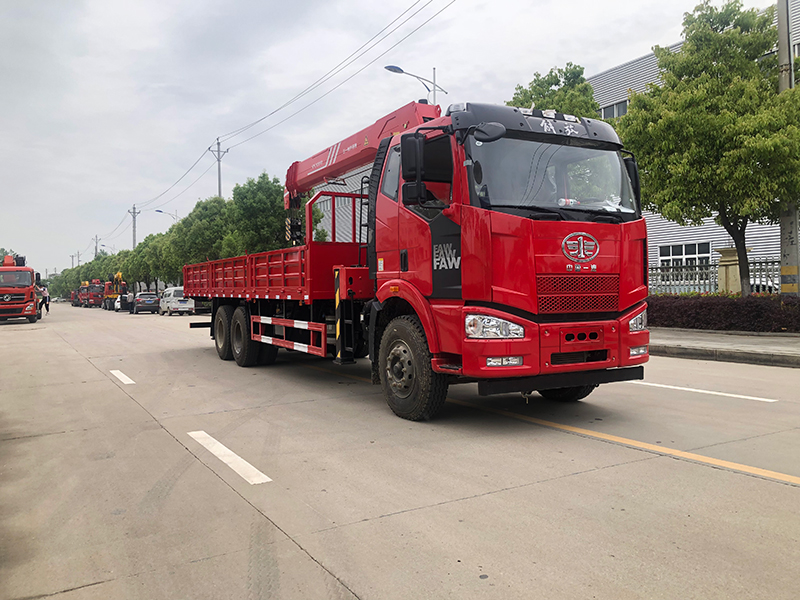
(445, 257)
(7, 298)
(580, 247)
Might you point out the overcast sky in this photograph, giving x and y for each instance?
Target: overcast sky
(106, 103)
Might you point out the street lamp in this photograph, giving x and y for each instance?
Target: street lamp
(112, 248)
(163, 212)
(422, 80)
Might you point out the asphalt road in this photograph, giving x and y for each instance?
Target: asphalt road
(639, 491)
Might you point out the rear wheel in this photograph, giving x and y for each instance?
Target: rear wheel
(222, 331)
(245, 349)
(567, 394)
(413, 390)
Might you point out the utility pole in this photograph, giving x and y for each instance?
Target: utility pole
(133, 212)
(79, 259)
(790, 245)
(218, 154)
(96, 240)
(72, 256)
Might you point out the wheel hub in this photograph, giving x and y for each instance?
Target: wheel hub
(400, 369)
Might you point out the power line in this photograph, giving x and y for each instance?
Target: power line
(337, 69)
(337, 86)
(143, 204)
(185, 189)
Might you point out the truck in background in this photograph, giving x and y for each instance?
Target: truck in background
(91, 293)
(115, 288)
(493, 245)
(17, 290)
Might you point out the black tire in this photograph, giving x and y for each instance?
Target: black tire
(32, 319)
(222, 331)
(567, 394)
(411, 387)
(245, 349)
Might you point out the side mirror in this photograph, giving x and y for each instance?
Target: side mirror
(489, 132)
(38, 278)
(411, 156)
(633, 173)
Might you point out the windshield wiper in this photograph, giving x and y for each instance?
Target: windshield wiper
(614, 217)
(543, 211)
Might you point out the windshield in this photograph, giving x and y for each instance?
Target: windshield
(96, 289)
(15, 279)
(526, 174)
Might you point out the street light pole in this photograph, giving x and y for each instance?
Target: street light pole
(422, 80)
(790, 217)
(163, 212)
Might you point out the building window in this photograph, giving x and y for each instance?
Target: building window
(615, 110)
(684, 254)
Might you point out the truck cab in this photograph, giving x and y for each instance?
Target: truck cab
(518, 238)
(17, 290)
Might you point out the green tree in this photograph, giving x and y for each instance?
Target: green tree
(715, 138)
(564, 90)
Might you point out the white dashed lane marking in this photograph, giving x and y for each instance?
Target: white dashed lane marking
(122, 377)
(242, 468)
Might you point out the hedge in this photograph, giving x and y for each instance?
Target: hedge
(725, 312)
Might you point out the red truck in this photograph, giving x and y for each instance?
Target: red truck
(17, 290)
(91, 293)
(493, 244)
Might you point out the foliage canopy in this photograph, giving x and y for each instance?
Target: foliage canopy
(564, 90)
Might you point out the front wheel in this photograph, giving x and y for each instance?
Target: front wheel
(32, 319)
(567, 394)
(413, 390)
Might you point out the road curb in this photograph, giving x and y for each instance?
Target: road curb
(722, 355)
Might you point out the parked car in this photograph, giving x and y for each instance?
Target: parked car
(172, 301)
(117, 304)
(145, 302)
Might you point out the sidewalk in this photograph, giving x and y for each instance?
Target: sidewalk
(773, 349)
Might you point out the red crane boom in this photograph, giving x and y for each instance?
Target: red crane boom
(354, 151)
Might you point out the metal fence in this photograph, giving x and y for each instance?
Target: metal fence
(683, 278)
(765, 276)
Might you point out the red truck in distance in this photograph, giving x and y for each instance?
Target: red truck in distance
(91, 293)
(17, 290)
(489, 245)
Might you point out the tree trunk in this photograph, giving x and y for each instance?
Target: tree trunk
(736, 228)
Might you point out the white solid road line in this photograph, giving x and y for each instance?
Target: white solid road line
(122, 377)
(243, 468)
(685, 389)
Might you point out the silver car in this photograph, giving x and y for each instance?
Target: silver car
(172, 301)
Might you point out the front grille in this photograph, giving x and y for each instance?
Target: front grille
(577, 293)
(577, 284)
(11, 311)
(571, 358)
(578, 304)
(13, 298)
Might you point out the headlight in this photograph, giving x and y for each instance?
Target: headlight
(481, 326)
(639, 322)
